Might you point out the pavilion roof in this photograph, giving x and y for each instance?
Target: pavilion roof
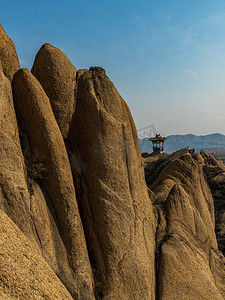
(158, 137)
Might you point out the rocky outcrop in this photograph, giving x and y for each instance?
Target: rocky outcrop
(77, 220)
(214, 171)
(189, 264)
(22, 198)
(24, 273)
(8, 56)
(57, 76)
(37, 122)
(111, 191)
(14, 195)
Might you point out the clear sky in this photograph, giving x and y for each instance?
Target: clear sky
(166, 58)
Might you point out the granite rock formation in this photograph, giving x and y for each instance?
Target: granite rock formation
(77, 220)
(214, 171)
(37, 122)
(14, 195)
(111, 190)
(189, 264)
(57, 76)
(24, 273)
(8, 55)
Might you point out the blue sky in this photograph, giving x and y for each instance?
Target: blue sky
(166, 58)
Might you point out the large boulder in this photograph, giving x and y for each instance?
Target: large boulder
(8, 55)
(111, 190)
(57, 76)
(24, 273)
(37, 121)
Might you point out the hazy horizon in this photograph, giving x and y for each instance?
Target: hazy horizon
(197, 135)
(166, 58)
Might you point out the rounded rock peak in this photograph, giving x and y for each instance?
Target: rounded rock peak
(57, 75)
(47, 46)
(8, 55)
(97, 69)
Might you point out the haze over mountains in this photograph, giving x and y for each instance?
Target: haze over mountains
(82, 215)
(210, 142)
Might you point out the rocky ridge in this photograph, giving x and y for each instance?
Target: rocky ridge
(77, 220)
(189, 264)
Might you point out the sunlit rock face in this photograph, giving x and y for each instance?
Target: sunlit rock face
(8, 55)
(111, 190)
(37, 122)
(57, 76)
(189, 264)
(24, 273)
(14, 195)
(77, 220)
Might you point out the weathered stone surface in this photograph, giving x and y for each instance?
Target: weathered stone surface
(111, 190)
(14, 195)
(143, 243)
(189, 265)
(29, 212)
(48, 237)
(37, 121)
(57, 76)
(23, 272)
(8, 55)
(214, 170)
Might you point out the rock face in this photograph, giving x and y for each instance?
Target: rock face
(8, 56)
(77, 220)
(187, 253)
(24, 273)
(46, 142)
(214, 171)
(57, 76)
(14, 195)
(111, 191)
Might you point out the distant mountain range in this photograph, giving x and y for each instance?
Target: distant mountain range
(210, 142)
